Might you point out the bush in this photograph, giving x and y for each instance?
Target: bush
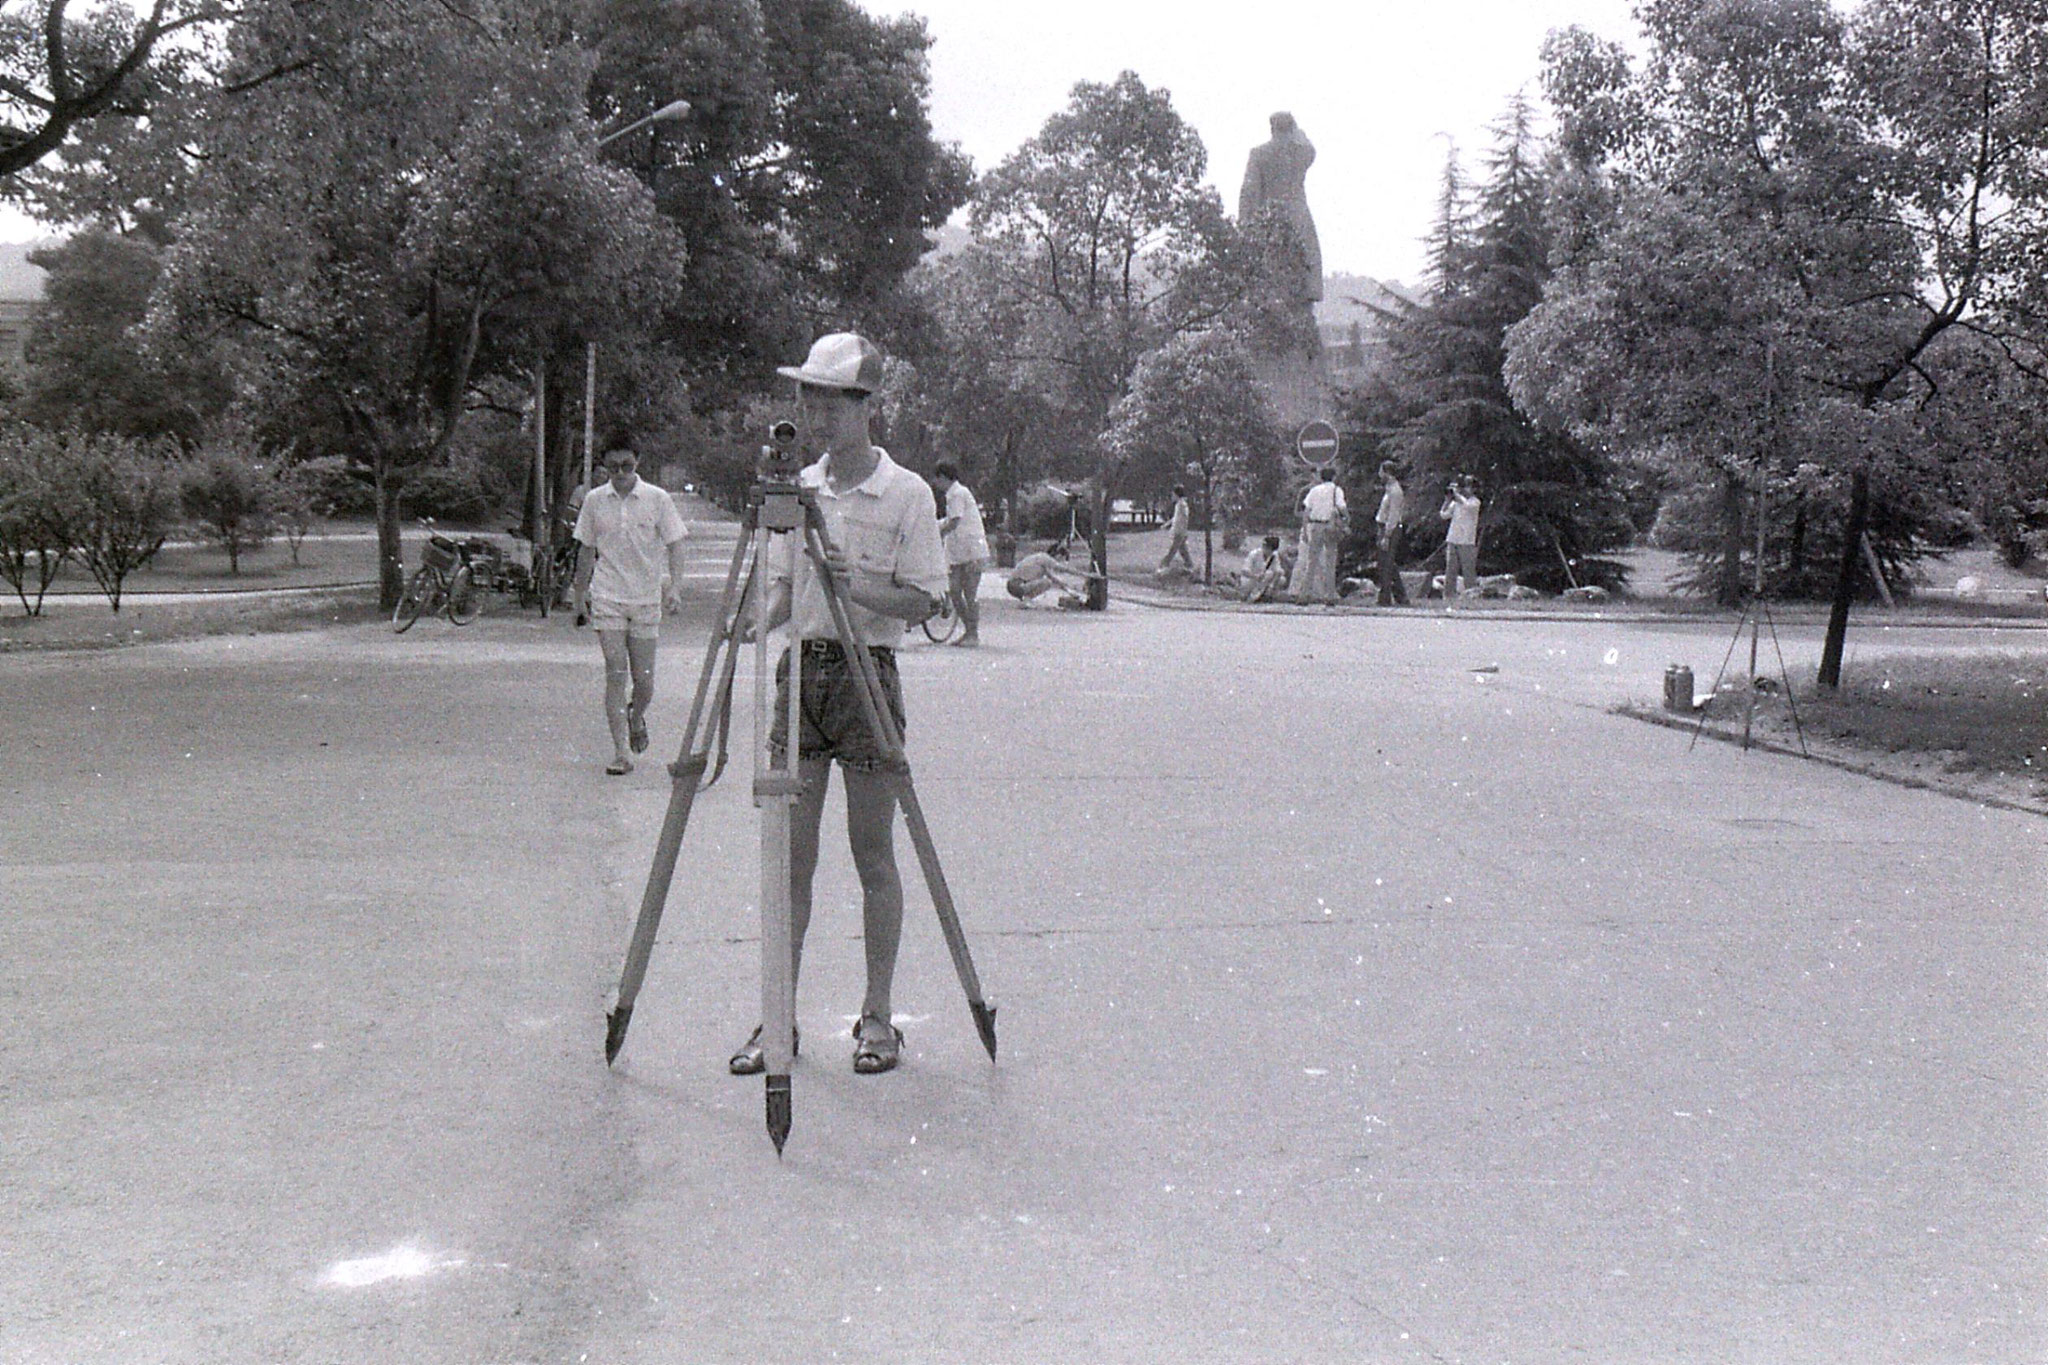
(39, 512)
(1042, 513)
(128, 500)
(450, 492)
(231, 496)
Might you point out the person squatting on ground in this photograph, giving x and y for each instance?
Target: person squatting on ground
(1387, 521)
(1177, 533)
(1264, 571)
(966, 549)
(889, 568)
(1461, 542)
(1042, 571)
(632, 538)
(1322, 528)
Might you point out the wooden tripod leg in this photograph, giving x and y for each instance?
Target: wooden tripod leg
(685, 775)
(874, 704)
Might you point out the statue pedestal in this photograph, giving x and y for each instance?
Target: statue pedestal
(1297, 387)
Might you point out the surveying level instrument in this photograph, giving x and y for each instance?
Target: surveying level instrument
(778, 503)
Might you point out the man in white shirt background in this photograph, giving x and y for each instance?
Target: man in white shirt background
(966, 548)
(628, 572)
(1322, 515)
(1393, 508)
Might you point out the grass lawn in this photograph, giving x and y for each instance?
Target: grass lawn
(1975, 724)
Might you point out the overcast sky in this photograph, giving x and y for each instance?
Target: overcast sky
(1372, 83)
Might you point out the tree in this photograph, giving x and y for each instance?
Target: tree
(59, 70)
(1100, 219)
(302, 492)
(1195, 403)
(87, 367)
(230, 495)
(805, 181)
(40, 516)
(1775, 221)
(414, 213)
(128, 502)
(1553, 505)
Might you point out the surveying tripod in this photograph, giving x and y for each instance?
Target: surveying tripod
(778, 503)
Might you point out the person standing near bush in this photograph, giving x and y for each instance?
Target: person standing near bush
(1461, 542)
(1393, 506)
(966, 549)
(632, 538)
(1322, 527)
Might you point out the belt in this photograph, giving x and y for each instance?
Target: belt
(830, 649)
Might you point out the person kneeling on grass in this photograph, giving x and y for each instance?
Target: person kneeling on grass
(1040, 573)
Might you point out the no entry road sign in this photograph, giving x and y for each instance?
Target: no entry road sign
(1316, 443)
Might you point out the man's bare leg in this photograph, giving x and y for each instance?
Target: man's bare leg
(871, 833)
(640, 655)
(618, 683)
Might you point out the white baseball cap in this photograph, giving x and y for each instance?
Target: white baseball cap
(840, 360)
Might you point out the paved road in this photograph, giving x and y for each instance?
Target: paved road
(1355, 1005)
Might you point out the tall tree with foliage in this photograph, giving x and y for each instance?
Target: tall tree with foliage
(417, 210)
(1554, 509)
(87, 365)
(805, 180)
(1195, 405)
(1781, 215)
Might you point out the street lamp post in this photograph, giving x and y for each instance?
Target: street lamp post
(668, 113)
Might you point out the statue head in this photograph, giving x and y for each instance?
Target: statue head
(1282, 123)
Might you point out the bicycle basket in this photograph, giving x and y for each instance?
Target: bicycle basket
(440, 554)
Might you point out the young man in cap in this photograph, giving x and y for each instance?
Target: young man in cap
(632, 539)
(888, 566)
(966, 542)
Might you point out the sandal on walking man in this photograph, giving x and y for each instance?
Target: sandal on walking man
(889, 568)
(632, 539)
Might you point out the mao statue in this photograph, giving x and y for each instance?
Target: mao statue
(1275, 178)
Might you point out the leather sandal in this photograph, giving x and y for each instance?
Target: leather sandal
(752, 1058)
(636, 731)
(876, 1051)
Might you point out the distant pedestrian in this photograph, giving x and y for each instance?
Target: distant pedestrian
(966, 549)
(629, 571)
(1461, 541)
(1177, 533)
(1387, 522)
(1323, 512)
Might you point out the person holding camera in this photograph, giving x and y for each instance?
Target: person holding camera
(1461, 541)
(887, 567)
(628, 572)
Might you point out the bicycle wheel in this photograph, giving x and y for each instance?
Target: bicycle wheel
(940, 625)
(465, 600)
(412, 601)
(544, 583)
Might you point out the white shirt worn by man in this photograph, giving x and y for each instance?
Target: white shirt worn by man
(1323, 502)
(1393, 506)
(1464, 520)
(968, 540)
(886, 527)
(631, 533)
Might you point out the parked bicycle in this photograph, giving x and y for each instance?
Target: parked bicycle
(444, 581)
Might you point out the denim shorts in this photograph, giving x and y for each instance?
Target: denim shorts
(835, 724)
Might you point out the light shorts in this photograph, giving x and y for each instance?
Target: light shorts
(965, 577)
(640, 620)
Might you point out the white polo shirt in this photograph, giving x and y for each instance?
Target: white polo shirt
(631, 535)
(886, 527)
(968, 540)
(1323, 502)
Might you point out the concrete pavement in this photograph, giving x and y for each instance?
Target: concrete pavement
(1354, 1005)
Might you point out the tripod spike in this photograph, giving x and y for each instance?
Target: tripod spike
(985, 1024)
(615, 1032)
(778, 1111)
